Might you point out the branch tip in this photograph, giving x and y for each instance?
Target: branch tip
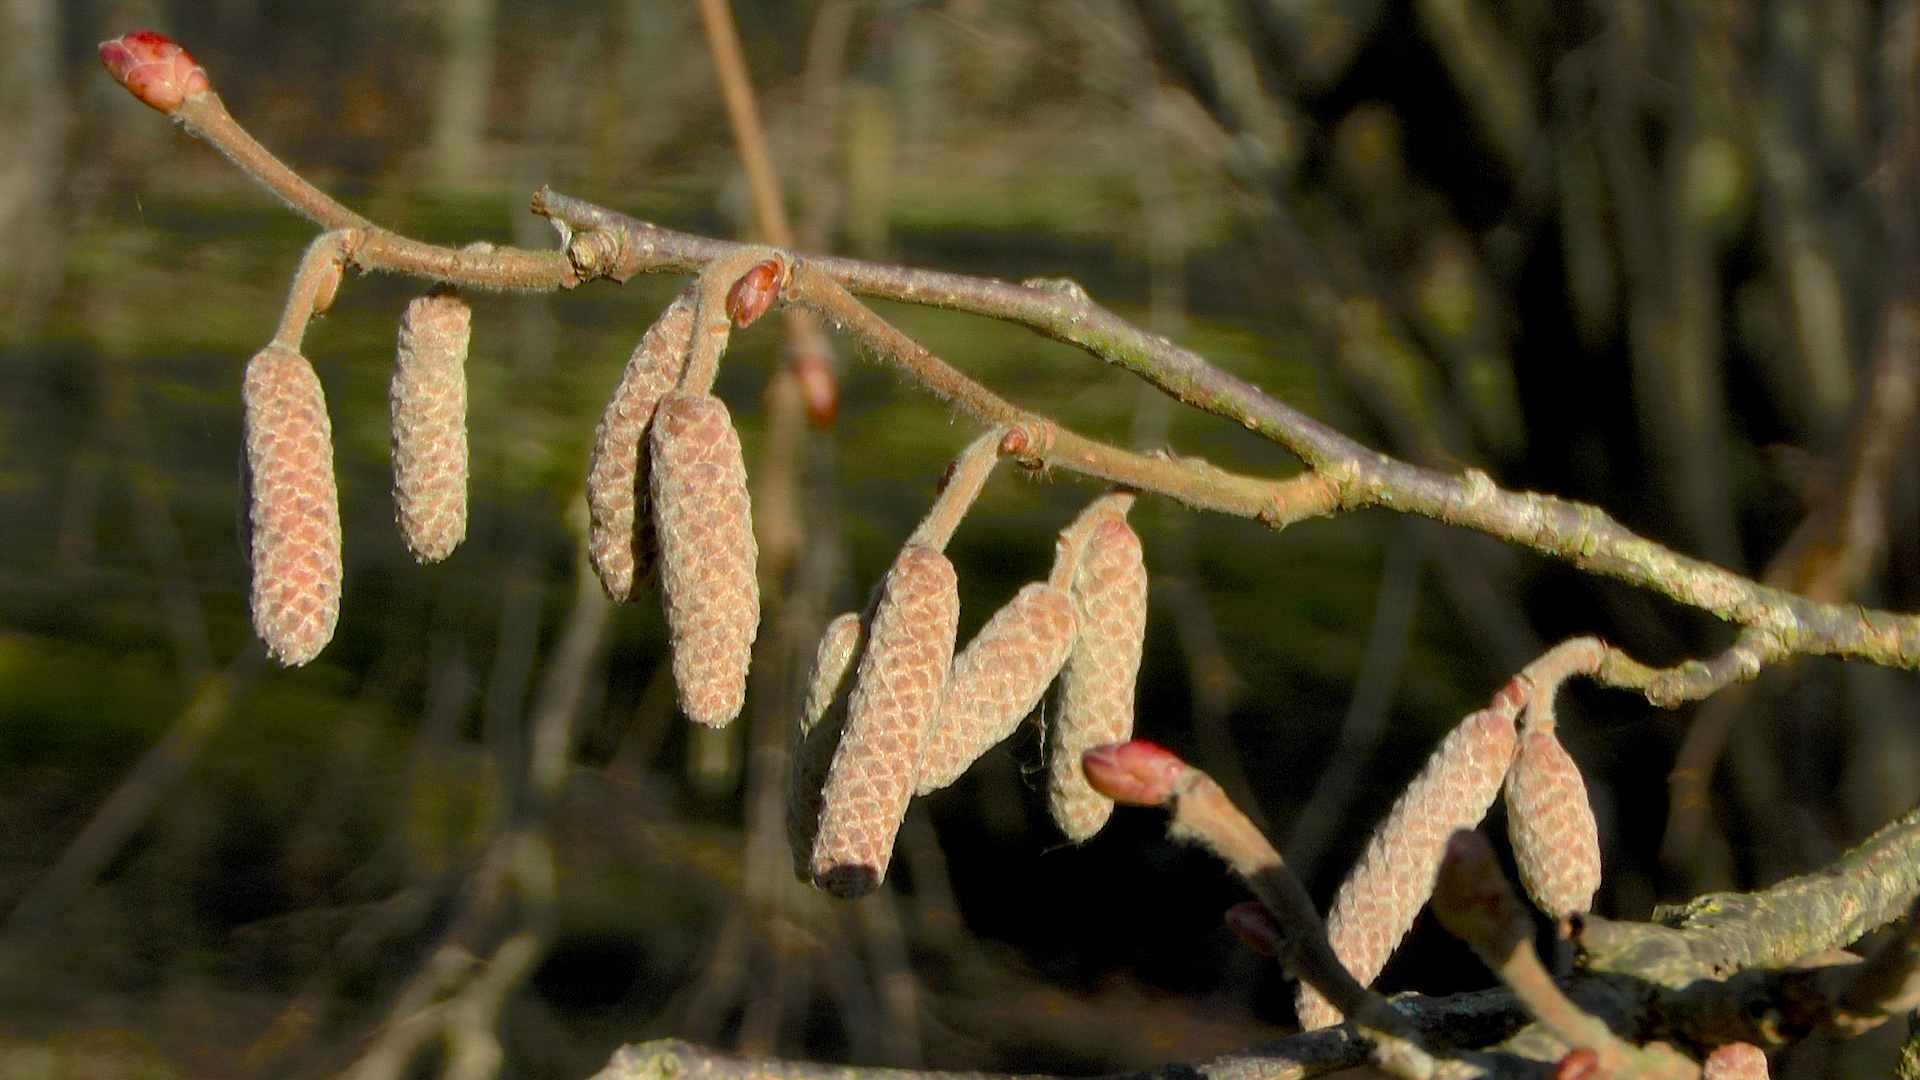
(154, 68)
(1137, 773)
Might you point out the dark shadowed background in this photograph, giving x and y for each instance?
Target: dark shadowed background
(1636, 254)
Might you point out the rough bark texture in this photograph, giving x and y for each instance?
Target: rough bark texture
(427, 404)
(1379, 899)
(1555, 840)
(707, 553)
(825, 713)
(293, 510)
(896, 694)
(621, 542)
(998, 679)
(1097, 687)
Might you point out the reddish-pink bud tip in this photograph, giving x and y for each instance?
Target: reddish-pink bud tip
(154, 68)
(1255, 926)
(1138, 773)
(819, 388)
(756, 291)
(1580, 1063)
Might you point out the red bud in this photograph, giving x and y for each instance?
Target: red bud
(1580, 1063)
(1254, 925)
(1138, 773)
(756, 291)
(153, 68)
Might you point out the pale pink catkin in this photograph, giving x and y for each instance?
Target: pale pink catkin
(822, 717)
(1097, 686)
(1735, 1061)
(896, 694)
(1556, 843)
(998, 679)
(427, 406)
(621, 543)
(1379, 899)
(708, 556)
(293, 509)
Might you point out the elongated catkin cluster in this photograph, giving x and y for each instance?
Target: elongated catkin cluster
(293, 510)
(621, 542)
(998, 679)
(1556, 843)
(707, 553)
(427, 405)
(824, 715)
(1097, 686)
(1378, 901)
(896, 694)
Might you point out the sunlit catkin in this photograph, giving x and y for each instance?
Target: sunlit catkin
(1379, 899)
(1556, 843)
(293, 511)
(822, 716)
(1097, 686)
(707, 553)
(896, 694)
(621, 543)
(427, 404)
(998, 679)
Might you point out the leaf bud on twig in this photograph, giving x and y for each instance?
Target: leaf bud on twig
(154, 68)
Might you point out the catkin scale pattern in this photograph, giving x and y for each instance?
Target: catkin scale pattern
(293, 508)
(822, 717)
(621, 540)
(1377, 902)
(896, 694)
(998, 679)
(708, 556)
(1556, 842)
(427, 408)
(1097, 685)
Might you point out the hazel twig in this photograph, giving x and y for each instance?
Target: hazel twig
(1141, 773)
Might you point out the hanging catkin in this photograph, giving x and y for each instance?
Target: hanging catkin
(998, 679)
(1556, 843)
(621, 542)
(1380, 897)
(293, 511)
(1097, 686)
(823, 715)
(427, 404)
(707, 553)
(896, 694)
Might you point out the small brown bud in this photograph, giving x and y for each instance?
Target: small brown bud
(1556, 843)
(819, 387)
(1380, 897)
(621, 543)
(997, 680)
(707, 553)
(823, 716)
(1256, 927)
(896, 694)
(1097, 686)
(427, 403)
(1473, 900)
(755, 291)
(293, 510)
